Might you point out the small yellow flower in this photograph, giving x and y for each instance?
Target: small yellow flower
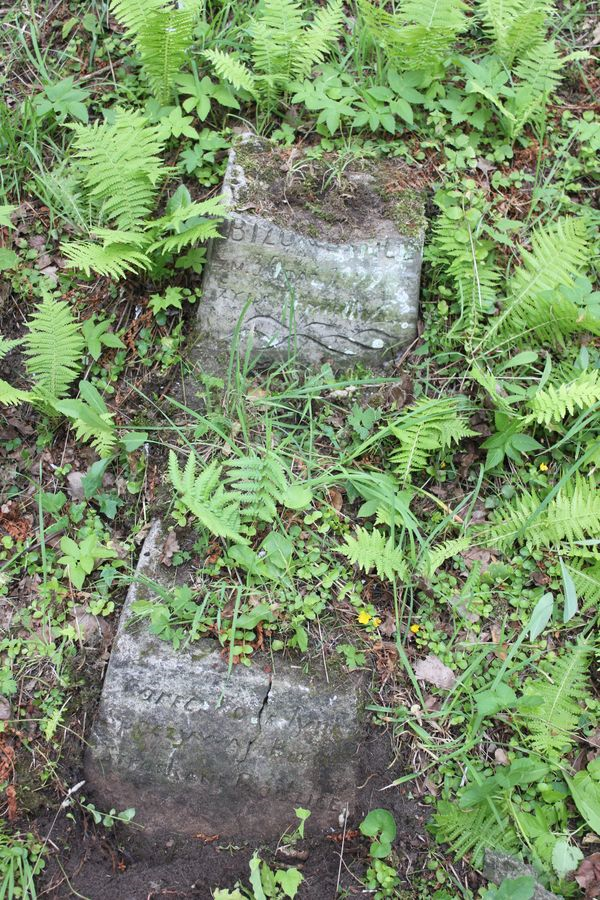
(543, 467)
(415, 629)
(376, 622)
(363, 617)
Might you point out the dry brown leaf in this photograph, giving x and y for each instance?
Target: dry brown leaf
(433, 670)
(170, 547)
(588, 875)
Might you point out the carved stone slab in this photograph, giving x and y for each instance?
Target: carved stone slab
(195, 750)
(331, 281)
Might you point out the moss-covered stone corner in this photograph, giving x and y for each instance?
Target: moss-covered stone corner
(329, 198)
(409, 213)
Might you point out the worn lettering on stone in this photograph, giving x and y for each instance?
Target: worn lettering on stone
(193, 748)
(284, 292)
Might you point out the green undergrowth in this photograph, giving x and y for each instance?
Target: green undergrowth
(435, 525)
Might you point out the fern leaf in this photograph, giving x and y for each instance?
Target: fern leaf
(132, 14)
(431, 425)
(53, 347)
(539, 74)
(206, 498)
(259, 482)
(572, 515)
(552, 718)
(317, 39)
(163, 42)
(121, 167)
(231, 69)
(442, 552)
(587, 584)
(515, 26)
(6, 345)
(552, 405)
(473, 831)
(559, 253)
(92, 420)
(372, 550)
(11, 396)
(114, 260)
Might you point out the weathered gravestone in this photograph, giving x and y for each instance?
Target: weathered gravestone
(315, 261)
(194, 750)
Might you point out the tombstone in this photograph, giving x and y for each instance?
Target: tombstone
(317, 260)
(197, 750)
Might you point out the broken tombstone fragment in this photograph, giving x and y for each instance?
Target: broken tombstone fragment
(319, 260)
(195, 748)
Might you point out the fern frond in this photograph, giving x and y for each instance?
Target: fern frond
(420, 35)
(121, 167)
(11, 396)
(551, 721)
(587, 584)
(441, 552)
(431, 425)
(92, 420)
(318, 39)
(206, 497)
(53, 347)
(372, 550)
(550, 317)
(515, 26)
(259, 483)
(163, 41)
(539, 74)
(7, 344)
(113, 260)
(474, 831)
(551, 405)
(231, 69)
(131, 14)
(559, 253)
(572, 515)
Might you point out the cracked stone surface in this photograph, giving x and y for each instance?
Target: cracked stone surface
(194, 750)
(321, 296)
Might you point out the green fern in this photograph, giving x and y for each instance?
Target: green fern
(474, 831)
(552, 717)
(92, 420)
(259, 483)
(121, 167)
(188, 225)
(230, 68)
(573, 515)
(53, 347)
(372, 550)
(551, 405)
(430, 426)
(420, 35)
(11, 396)
(285, 48)
(587, 584)
(163, 41)
(515, 26)
(559, 253)
(438, 555)
(133, 13)
(538, 76)
(114, 260)
(206, 497)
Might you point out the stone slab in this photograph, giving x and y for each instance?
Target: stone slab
(339, 285)
(195, 750)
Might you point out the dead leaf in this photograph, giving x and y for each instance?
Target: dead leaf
(11, 796)
(170, 547)
(5, 710)
(476, 554)
(388, 626)
(75, 485)
(501, 757)
(433, 670)
(588, 875)
(336, 499)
